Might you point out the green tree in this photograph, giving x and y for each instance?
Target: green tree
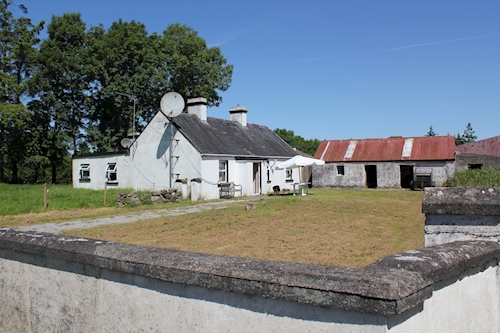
(468, 135)
(431, 132)
(132, 65)
(307, 146)
(18, 55)
(192, 68)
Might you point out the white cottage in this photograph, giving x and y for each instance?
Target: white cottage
(194, 152)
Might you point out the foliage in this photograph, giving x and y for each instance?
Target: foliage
(307, 146)
(67, 97)
(18, 38)
(467, 137)
(474, 177)
(431, 132)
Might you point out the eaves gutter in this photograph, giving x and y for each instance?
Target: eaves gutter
(247, 157)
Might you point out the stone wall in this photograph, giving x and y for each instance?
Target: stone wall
(463, 160)
(461, 213)
(53, 283)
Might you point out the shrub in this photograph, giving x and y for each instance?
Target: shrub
(474, 177)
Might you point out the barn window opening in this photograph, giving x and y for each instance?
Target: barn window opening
(340, 170)
(111, 175)
(475, 166)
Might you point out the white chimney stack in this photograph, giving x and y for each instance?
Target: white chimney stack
(239, 115)
(198, 107)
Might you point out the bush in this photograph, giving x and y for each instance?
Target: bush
(476, 177)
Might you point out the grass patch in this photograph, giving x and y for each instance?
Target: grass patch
(23, 204)
(331, 227)
(474, 177)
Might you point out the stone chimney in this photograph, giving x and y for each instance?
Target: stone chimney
(239, 115)
(198, 107)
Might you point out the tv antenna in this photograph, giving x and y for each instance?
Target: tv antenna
(172, 104)
(133, 98)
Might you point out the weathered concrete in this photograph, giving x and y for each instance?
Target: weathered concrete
(462, 213)
(463, 160)
(55, 283)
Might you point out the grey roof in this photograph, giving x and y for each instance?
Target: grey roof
(225, 137)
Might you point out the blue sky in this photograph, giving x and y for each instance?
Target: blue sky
(337, 69)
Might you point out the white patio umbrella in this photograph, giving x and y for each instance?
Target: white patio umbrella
(298, 161)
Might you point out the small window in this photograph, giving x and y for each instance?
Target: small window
(85, 171)
(340, 170)
(223, 171)
(289, 175)
(111, 173)
(475, 166)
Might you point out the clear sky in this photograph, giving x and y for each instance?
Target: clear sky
(337, 69)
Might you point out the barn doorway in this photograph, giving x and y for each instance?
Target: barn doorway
(256, 178)
(371, 176)
(406, 175)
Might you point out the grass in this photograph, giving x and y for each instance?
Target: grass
(331, 227)
(22, 205)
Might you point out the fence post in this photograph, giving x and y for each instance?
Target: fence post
(105, 193)
(45, 196)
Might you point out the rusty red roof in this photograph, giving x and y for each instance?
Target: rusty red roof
(489, 146)
(426, 148)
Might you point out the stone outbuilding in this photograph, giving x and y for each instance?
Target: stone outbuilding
(480, 154)
(385, 163)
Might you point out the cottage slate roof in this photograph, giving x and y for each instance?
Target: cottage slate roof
(428, 148)
(225, 137)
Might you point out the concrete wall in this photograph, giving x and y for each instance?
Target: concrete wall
(388, 173)
(54, 283)
(461, 213)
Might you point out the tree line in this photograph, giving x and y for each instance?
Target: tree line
(77, 91)
(468, 135)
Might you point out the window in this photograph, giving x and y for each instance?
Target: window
(289, 175)
(84, 171)
(223, 171)
(340, 170)
(475, 166)
(111, 173)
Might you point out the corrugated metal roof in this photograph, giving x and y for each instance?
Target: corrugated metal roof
(489, 146)
(226, 137)
(427, 148)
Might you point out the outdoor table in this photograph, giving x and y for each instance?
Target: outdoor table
(300, 188)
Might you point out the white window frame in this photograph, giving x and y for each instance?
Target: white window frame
(111, 169)
(84, 168)
(223, 174)
(289, 175)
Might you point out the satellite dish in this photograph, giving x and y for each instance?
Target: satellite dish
(172, 104)
(126, 143)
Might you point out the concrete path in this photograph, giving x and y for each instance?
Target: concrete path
(201, 207)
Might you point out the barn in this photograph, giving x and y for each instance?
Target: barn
(480, 154)
(385, 163)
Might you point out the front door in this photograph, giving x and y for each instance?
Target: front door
(256, 178)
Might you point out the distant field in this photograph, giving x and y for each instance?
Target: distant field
(330, 227)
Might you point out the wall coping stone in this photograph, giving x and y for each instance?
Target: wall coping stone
(462, 201)
(389, 286)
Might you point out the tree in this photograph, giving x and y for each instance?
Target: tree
(431, 132)
(18, 55)
(296, 141)
(131, 65)
(468, 135)
(192, 68)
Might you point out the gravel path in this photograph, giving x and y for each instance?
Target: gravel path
(63, 226)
